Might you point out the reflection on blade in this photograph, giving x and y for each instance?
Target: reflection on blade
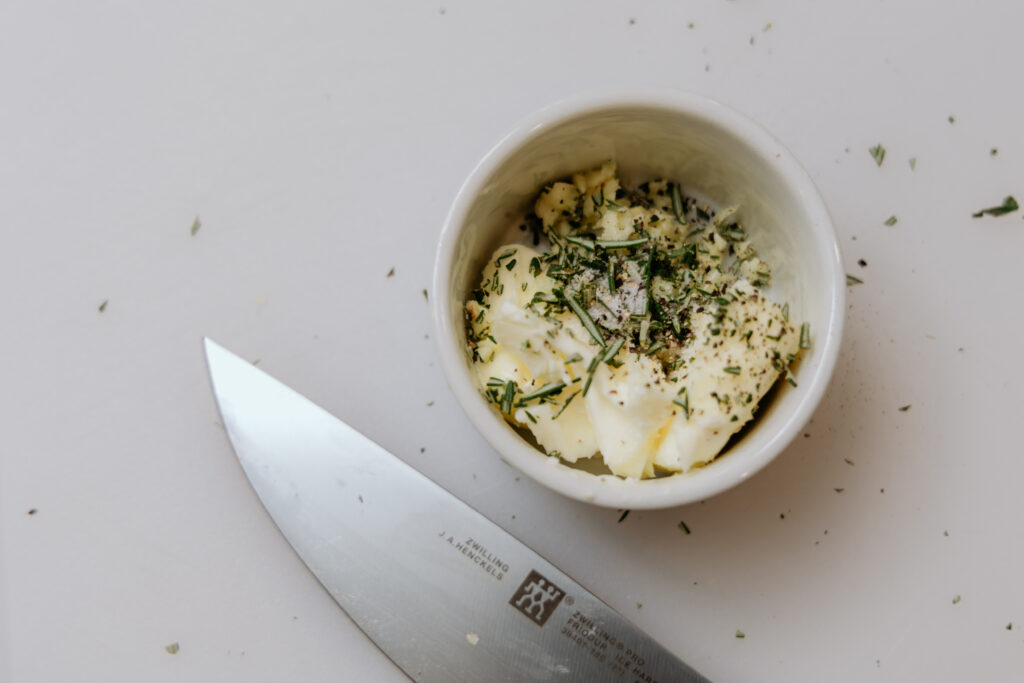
(445, 593)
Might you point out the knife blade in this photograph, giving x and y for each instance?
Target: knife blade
(444, 592)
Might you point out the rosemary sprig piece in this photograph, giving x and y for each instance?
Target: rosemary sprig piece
(588, 322)
(546, 390)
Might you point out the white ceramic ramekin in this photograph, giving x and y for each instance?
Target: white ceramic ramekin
(651, 134)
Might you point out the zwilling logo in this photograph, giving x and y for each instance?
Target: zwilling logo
(537, 598)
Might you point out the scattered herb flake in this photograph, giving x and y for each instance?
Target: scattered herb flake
(196, 224)
(951, 119)
(623, 516)
(172, 649)
(852, 280)
(103, 306)
(425, 298)
(33, 511)
(838, 490)
(391, 273)
(878, 153)
(848, 461)
(682, 525)
(546, 390)
(805, 336)
(994, 151)
(1009, 205)
(905, 408)
(588, 322)
(1009, 626)
(732, 369)
(740, 634)
(891, 221)
(913, 163)
(956, 599)
(565, 405)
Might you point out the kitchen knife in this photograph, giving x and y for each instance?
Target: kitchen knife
(445, 593)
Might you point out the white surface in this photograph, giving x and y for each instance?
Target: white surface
(321, 145)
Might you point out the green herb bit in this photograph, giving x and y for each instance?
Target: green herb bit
(565, 405)
(740, 634)
(683, 403)
(581, 242)
(495, 382)
(510, 265)
(196, 224)
(624, 514)
(851, 280)
(1009, 205)
(598, 200)
(506, 399)
(573, 358)
(546, 390)
(732, 369)
(677, 204)
(702, 213)
(535, 266)
(805, 336)
(555, 454)
(785, 309)
(613, 205)
(913, 163)
(682, 525)
(610, 354)
(790, 378)
(878, 153)
(530, 417)
(588, 322)
(654, 348)
(622, 244)
(611, 276)
(508, 253)
(891, 221)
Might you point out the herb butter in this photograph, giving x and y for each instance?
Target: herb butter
(640, 334)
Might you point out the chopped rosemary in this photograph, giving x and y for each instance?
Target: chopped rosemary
(588, 322)
(565, 405)
(581, 242)
(684, 403)
(878, 153)
(621, 244)
(682, 525)
(623, 516)
(732, 369)
(1009, 205)
(805, 336)
(853, 280)
(891, 221)
(677, 204)
(506, 399)
(610, 354)
(546, 390)
(656, 346)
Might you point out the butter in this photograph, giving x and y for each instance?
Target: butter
(641, 336)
